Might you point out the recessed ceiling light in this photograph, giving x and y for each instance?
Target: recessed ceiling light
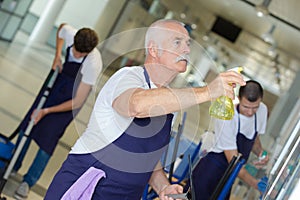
(262, 9)
(268, 37)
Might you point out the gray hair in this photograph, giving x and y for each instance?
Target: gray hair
(156, 32)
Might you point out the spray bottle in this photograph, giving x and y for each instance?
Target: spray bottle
(222, 107)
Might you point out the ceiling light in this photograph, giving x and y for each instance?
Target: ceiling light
(268, 37)
(194, 26)
(272, 51)
(182, 15)
(205, 37)
(262, 9)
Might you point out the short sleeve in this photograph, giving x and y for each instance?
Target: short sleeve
(67, 33)
(91, 67)
(262, 115)
(226, 131)
(128, 79)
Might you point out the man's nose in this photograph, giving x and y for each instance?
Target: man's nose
(250, 112)
(187, 49)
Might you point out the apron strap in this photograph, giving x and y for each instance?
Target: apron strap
(68, 55)
(147, 77)
(239, 121)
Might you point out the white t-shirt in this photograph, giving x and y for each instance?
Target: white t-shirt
(92, 65)
(105, 124)
(226, 130)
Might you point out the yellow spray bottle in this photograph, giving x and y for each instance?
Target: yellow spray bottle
(222, 107)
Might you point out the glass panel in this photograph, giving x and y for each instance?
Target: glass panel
(9, 5)
(52, 38)
(29, 23)
(22, 7)
(11, 28)
(3, 20)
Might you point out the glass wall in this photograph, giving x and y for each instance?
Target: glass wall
(12, 13)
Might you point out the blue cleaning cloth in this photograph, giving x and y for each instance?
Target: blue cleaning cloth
(84, 187)
(262, 184)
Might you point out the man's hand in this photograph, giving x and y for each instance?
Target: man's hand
(224, 84)
(263, 159)
(38, 115)
(57, 63)
(170, 189)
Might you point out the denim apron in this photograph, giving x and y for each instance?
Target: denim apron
(212, 167)
(128, 162)
(51, 127)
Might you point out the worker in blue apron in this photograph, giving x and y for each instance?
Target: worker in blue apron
(129, 127)
(209, 171)
(77, 75)
(133, 183)
(212, 167)
(50, 128)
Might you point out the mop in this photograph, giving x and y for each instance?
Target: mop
(52, 75)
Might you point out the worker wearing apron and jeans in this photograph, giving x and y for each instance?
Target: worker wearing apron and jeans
(237, 135)
(44, 133)
(51, 127)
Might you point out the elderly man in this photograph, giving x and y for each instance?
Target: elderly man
(130, 125)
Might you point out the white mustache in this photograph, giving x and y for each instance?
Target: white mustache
(184, 57)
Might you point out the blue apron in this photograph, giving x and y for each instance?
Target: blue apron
(128, 161)
(50, 128)
(212, 167)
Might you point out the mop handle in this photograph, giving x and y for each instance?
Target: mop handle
(46, 93)
(30, 125)
(183, 196)
(231, 179)
(177, 140)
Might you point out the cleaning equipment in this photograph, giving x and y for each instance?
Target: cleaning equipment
(6, 151)
(257, 161)
(190, 194)
(228, 185)
(231, 166)
(46, 91)
(7, 148)
(222, 107)
(178, 151)
(263, 155)
(262, 184)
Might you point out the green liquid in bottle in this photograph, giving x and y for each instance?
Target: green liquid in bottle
(222, 108)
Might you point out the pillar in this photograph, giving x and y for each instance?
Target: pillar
(42, 29)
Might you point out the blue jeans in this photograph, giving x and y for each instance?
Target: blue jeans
(37, 167)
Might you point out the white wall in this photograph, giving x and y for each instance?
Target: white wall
(78, 13)
(37, 7)
(81, 13)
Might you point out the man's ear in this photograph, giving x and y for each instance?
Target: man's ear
(153, 50)
(239, 98)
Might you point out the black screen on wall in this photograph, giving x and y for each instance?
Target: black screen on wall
(226, 29)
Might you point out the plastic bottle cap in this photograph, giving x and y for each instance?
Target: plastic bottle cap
(263, 155)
